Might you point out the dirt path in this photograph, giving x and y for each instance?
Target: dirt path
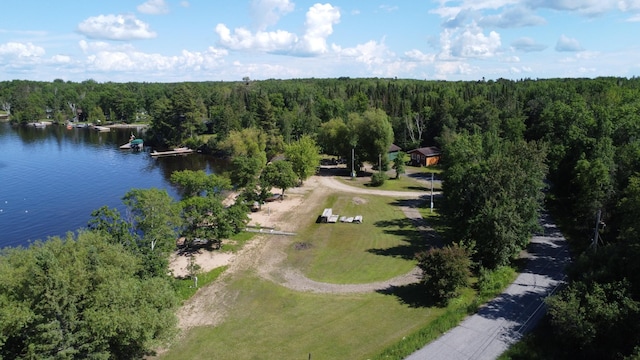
(266, 255)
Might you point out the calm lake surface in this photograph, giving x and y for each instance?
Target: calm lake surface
(51, 179)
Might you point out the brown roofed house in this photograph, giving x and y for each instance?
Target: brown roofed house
(425, 156)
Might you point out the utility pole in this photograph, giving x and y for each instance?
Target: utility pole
(432, 192)
(353, 171)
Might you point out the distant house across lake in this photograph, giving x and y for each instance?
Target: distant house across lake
(425, 156)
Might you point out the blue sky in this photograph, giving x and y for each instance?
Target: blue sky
(204, 40)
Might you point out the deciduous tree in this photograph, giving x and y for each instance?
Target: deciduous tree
(304, 156)
(278, 174)
(81, 298)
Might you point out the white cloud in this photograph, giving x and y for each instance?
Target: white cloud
(370, 53)
(527, 44)
(105, 57)
(388, 8)
(96, 46)
(319, 25)
(419, 56)
(446, 68)
(243, 39)
(21, 50)
(521, 69)
(448, 12)
(115, 27)
(511, 59)
(566, 43)
(61, 59)
(267, 12)
(586, 7)
(154, 7)
(473, 43)
(184, 4)
(513, 17)
(135, 61)
(588, 55)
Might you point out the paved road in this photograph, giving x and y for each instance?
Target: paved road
(504, 320)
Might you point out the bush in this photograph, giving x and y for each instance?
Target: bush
(492, 282)
(378, 179)
(445, 271)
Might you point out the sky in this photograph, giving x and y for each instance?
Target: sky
(212, 40)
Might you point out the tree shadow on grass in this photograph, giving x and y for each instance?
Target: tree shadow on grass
(412, 295)
(416, 232)
(417, 188)
(408, 233)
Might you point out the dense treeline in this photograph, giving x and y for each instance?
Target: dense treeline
(501, 139)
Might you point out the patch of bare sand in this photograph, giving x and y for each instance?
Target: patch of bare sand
(210, 305)
(206, 260)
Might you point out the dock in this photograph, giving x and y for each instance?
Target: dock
(101, 128)
(174, 152)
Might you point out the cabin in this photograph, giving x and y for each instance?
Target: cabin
(393, 152)
(425, 156)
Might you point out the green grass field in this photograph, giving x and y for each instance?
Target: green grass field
(268, 321)
(380, 248)
(271, 322)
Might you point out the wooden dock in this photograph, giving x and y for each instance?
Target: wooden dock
(174, 152)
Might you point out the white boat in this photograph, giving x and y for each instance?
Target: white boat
(134, 144)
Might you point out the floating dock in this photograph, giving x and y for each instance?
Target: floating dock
(174, 152)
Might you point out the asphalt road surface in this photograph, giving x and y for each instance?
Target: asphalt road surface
(505, 319)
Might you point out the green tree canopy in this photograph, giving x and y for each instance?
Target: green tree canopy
(492, 194)
(445, 271)
(399, 163)
(304, 156)
(278, 174)
(376, 136)
(193, 183)
(155, 219)
(81, 298)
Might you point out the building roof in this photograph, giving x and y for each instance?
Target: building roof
(427, 151)
(394, 148)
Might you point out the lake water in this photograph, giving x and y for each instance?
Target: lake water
(51, 179)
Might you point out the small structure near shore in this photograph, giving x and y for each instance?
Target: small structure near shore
(174, 152)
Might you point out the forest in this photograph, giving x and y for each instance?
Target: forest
(510, 149)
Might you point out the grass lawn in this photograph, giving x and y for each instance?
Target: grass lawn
(382, 247)
(407, 182)
(272, 322)
(185, 287)
(268, 321)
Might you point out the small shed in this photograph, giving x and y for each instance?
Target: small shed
(425, 156)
